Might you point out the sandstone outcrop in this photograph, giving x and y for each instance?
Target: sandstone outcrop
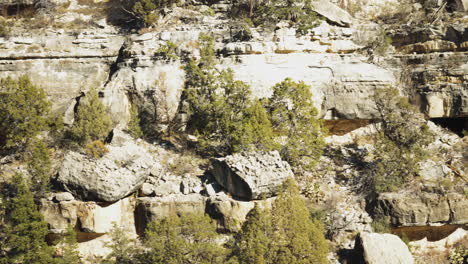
(409, 209)
(342, 86)
(117, 174)
(230, 212)
(251, 175)
(383, 249)
(89, 217)
(151, 208)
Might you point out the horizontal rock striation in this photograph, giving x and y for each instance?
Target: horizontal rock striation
(423, 209)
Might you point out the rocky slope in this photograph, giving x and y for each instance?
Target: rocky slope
(341, 60)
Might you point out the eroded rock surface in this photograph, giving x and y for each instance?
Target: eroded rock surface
(151, 208)
(89, 217)
(252, 175)
(409, 209)
(383, 249)
(117, 174)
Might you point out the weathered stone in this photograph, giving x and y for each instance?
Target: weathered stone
(151, 208)
(119, 173)
(408, 209)
(343, 87)
(91, 217)
(430, 46)
(383, 249)
(332, 12)
(232, 213)
(424, 246)
(251, 175)
(64, 196)
(146, 189)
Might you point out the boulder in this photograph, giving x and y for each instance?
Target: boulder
(252, 175)
(383, 249)
(64, 196)
(332, 12)
(117, 174)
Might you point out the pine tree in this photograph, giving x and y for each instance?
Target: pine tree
(23, 111)
(294, 116)
(297, 238)
(26, 229)
(69, 248)
(40, 167)
(253, 244)
(92, 121)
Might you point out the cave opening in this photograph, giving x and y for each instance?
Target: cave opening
(19, 10)
(456, 125)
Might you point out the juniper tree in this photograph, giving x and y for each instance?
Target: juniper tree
(69, 248)
(23, 111)
(294, 117)
(217, 104)
(92, 121)
(190, 238)
(253, 244)
(400, 142)
(39, 167)
(25, 229)
(297, 238)
(124, 248)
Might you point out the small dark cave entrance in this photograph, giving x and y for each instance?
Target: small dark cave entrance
(18, 10)
(456, 125)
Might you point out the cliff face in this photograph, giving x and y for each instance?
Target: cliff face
(341, 59)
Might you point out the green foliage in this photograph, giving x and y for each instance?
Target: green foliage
(25, 228)
(381, 225)
(459, 255)
(124, 248)
(92, 121)
(271, 12)
(168, 50)
(254, 242)
(69, 248)
(146, 12)
(298, 238)
(96, 149)
(209, 12)
(286, 234)
(400, 144)
(189, 238)
(5, 29)
(294, 117)
(226, 120)
(133, 126)
(39, 167)
(217, 103)
(23, 111)
(257, 131)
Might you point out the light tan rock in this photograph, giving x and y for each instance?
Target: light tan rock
(383, 249)
(91, 217)
(151, 208)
